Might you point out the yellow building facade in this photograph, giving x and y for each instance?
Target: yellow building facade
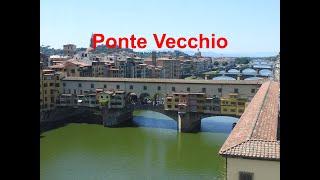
(232, 105)
(50, 89)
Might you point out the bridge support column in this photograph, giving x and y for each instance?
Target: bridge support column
(189, 121)
(116, 117)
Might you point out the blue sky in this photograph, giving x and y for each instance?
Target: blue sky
(250, 26)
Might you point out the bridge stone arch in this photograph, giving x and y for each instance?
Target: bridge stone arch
(132, 97)
(159, 97)
(205, 115)
(157, 108)
(143, 97)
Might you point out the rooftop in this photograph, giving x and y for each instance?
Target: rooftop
(57, 66)
(153, 80)
(80, 63)
(255, 135)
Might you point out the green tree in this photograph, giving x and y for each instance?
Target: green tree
(242, 60)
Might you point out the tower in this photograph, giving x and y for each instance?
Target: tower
(90, 48)
(154, 58)
(91, 39)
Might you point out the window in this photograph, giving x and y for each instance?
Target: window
(131, 86)
(188, 89)
(57, 78)
(51, 84)
(253, 90)
(80, 91)
(245, 176)
(92, 85)
(169, 106)
(64, 84)
(176, 106)
(118, 86)
(45, 91)
(57, 85)
(159, 88)
(45, 85)
(105, 86)
(144, 87)
(74, 91)
(236, 90)
(79, 85)
(173, 89)
(219, 90)
(73, 71)
(203, 90)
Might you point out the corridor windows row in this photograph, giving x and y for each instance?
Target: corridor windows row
(159, 88)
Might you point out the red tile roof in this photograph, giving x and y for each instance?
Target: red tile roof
(57, 66)
(255, 135)
(80, 63)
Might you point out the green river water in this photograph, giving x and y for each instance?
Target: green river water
(154, 151)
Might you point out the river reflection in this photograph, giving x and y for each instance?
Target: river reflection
(155, 151)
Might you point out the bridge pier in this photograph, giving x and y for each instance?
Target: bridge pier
(117, 117)
(189, 122)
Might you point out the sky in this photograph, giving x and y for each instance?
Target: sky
(250, 26)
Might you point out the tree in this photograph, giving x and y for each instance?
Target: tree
(242, 60)
(216, 63)
(225, 63)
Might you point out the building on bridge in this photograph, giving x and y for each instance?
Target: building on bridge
(183, 102)
(112, 99)
(199, 102)
(252, 150)
(162, 87)
(233, 104)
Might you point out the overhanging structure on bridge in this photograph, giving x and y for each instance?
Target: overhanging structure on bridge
(162, 87)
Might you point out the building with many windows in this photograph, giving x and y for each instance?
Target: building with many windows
(170, 67)
(69, 50)
(50, 88)
(112, 99)
(232, 104)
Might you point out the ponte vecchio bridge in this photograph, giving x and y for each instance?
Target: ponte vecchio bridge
(188, 120)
